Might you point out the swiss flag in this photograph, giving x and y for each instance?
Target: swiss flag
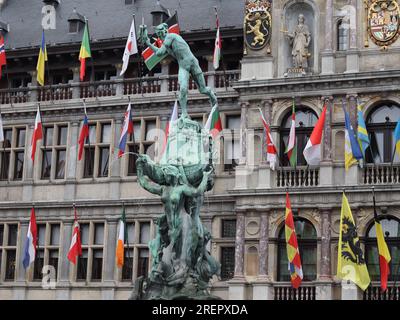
(37, 134)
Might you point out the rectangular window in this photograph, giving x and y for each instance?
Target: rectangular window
(20, 138)
(53, 260)
(84, 228)
(10, 264)
(9, 243)
(144, 232)
(103, 161)
(99, 233)
(60, 164)
(38, 264)
(97, 264)
(127, 269)
(227, 263)
(228, 228)
(5, 153)
(81, 271)
(19, 165)
(46, 164)
(12, 234)
(143, 262)
(232, 142)
(89, 162)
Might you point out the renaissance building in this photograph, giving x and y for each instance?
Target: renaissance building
(275, 54)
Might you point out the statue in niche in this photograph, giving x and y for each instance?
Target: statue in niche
(300, 40)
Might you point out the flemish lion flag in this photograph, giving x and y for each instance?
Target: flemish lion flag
(121, 240)
(351, 262)
(85, 52)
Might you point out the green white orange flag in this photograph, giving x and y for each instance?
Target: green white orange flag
(213, 124)
(121, 240)
(383, 250)
(291, 149)
(351, 262)
(85, 52)
(292, 247)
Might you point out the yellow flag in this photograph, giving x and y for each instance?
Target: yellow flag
(351, 263)
(42, 58)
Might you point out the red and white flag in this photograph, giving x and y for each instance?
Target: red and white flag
(3, 60)
(130, 48)
(75, 248)
(272, 154)
(218, 45)
(172, 119)
(37, 134)
(312, 151)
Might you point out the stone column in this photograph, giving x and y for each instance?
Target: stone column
(19, 291)
(237, 286)
(326, 165)
(63, 290)
(164, 75)
(352, 58)
(76, 90)
(210, 72)
(244, 106)
(265, 174)
(109, 256)
(33, 97)
(352, 109)
(119, 84)
(115, 167)
(72, 156)
(327, 59)
(353, 26)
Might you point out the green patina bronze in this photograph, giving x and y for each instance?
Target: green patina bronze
(182, 267)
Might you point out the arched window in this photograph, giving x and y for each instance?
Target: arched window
(305, 121)
(380, 126)
(307, 241)
(342, 30)
(391, 230)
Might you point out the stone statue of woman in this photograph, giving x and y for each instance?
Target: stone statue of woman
(300, 40)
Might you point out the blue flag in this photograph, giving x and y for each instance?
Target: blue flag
(355, 147)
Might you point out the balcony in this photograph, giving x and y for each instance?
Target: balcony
(299, 177)
(116, 87)
(376, 174)
(374, 292)
(286, 292)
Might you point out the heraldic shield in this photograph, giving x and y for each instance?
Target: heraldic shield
(383, 21)
(257, 23)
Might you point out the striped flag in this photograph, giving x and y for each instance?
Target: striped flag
(271, 149)
(292, 248)
(75, 249)
(218, 44)
(40, 66)
(291, 149)
(172, 119)
(85, 51)
(383, 250)
(3, 60)
(121, 240)
(352, 151)
(30, 242)
(37, 134)
(213, 124)
(312, 151)
(397, 137)
(130, 48)
(127, 128)
(362, 134)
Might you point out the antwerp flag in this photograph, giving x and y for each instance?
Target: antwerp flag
(85, 52)
(121, 240)
(312, 151)
(41, 62)
(292, 248)
(351, 263)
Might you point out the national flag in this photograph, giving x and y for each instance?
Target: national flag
(130, 48)
(1, 130)
(383, 250)
(127, 128)
(213, 124)
(121, 240)
(291, 149)
(75, 248)
(218, 45)
(37, 134)
(397, 137)
(352, 151)
(312, 151)
(40, 67)
(271, 149)
(150, 58)
(292, 247)
(3, 60)
(85, 52)
(362, 134)
(30, 242)
(351, 262)
(172, 119)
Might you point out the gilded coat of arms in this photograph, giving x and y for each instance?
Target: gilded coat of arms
(257, 23)
(383, 21)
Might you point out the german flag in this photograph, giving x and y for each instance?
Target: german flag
(384, 254)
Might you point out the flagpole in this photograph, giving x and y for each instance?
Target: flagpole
(48, 71)
(377, 221)
(4, 148)
(9, 86)
(91, 60)
(222, 57)
(88, 139)
(44, 134)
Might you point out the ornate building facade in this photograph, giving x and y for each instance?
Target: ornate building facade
(338, 52)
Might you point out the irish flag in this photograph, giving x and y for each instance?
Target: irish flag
(218, 45)
(84, 52)
(121, 240)
(291, 149)
(213, 124)
(312, 151)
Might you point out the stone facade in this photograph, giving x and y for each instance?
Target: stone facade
(249, 192)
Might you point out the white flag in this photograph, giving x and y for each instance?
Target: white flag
(1, 130)
(130, 48)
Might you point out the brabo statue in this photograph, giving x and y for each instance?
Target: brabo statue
(182, 267)
(174, 45)
(300, 40)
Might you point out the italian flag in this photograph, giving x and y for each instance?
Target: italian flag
(84, 52)
(121, 240)
(213, 124)
(312, 151)
(291, 149)
(218, 46)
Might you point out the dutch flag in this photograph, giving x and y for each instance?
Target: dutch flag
(31, 242)
(127, 128)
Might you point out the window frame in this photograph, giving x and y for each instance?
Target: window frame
(5, 247)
